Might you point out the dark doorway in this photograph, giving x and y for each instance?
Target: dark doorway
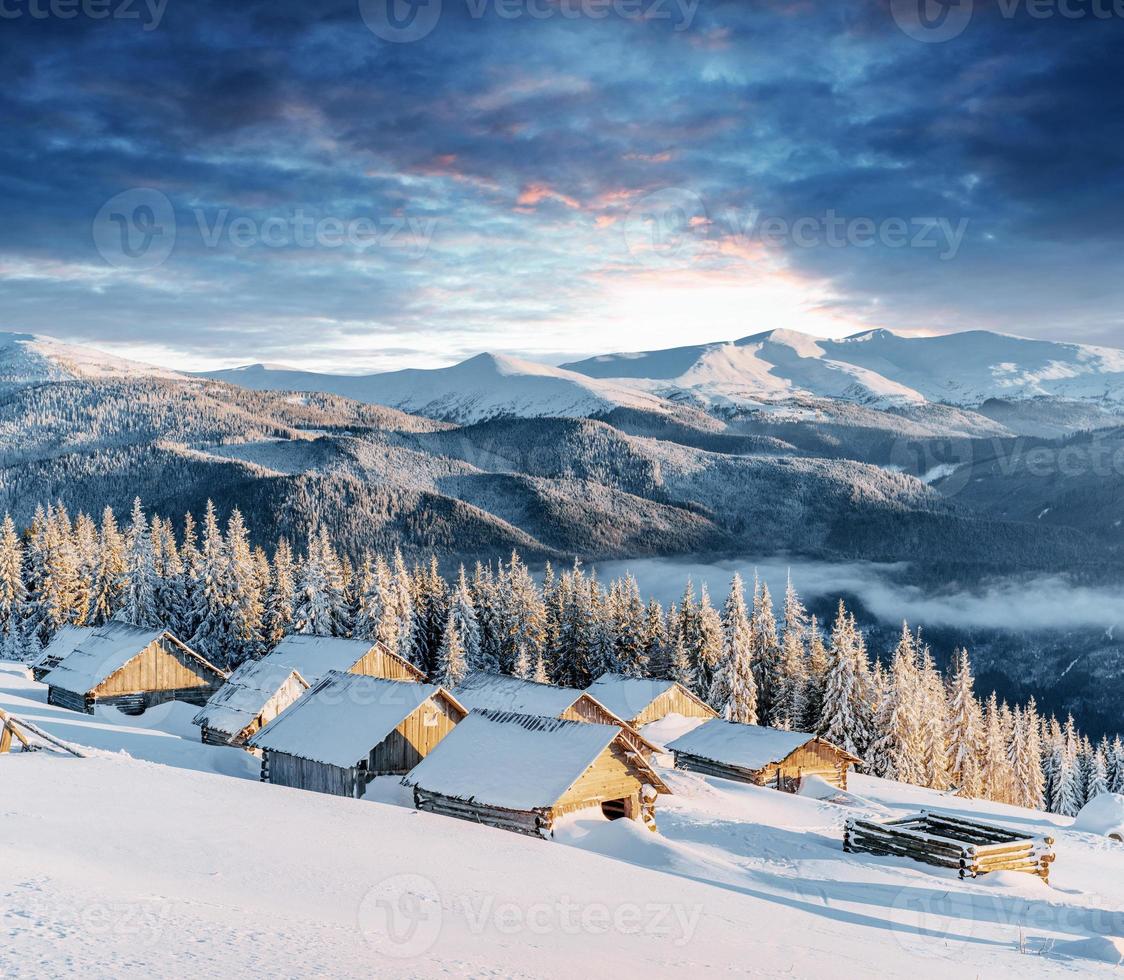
(615, 809)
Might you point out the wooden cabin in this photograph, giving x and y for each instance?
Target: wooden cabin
(763, 756)
(521, 772)
(349, 728)
(131, 668)
(62, 645)
(255, 694)
(313, 656)
(483, 691)
(643, 700)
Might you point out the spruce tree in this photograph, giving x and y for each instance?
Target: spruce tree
(451, 665)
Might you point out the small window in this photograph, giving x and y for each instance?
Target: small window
(430, 719)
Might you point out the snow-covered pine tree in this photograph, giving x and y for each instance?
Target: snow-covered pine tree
(211, 635)
(1068, 799)
(963, 735)
(766, 654)
(431, 605)
(280, 597)
(933, 718)
(1029, 778)
(139, 605)
(655, 641)
(896, 750)
(1096, 770)
(817, 663)
(15, 627)
(192, 562)
(451, 665)
(733, 690)
(405, 614)
(246, 605)
(841, 721)
(627, 616)
(707, 636)
(522, 667)
(541, 674)
(463, 614)
(1116, 778)
(793, 681)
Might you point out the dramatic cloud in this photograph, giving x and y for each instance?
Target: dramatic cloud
(550, 182)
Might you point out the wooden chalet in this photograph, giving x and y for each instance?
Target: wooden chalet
(763, 756)
(313, 656)
(483, 691)
(521, 772)
(62, 644)
(131, 668)
(643, 700)
(348, 728)
(255, 694)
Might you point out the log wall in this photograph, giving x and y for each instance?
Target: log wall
(318, 777)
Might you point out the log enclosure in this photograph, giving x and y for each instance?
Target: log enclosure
(944, 841)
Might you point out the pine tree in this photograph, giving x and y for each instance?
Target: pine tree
(1069, 790)
(766, 655)
(280, 597)
(451, 665)
(963, 732)
(733, 690)
(655, 641)
(897, 750)
(627, 615)
(817, 665)
(462, 612)
(707, 639)
(245, 602)
(1116, 778)
(211, 635)
(841, 721)
(16, 641)
(139, 605)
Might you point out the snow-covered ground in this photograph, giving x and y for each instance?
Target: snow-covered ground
(152, 857)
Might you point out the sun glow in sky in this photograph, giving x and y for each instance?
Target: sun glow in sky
(339, 201)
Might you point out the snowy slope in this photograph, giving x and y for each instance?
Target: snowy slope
(483, 387)
(29, 359)
(876, 367)
(133, 869)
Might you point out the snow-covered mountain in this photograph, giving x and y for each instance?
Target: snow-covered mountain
(483, 387)
(29, 359)
(877, 367)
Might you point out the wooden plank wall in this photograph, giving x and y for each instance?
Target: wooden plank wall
(288, 770)
(672, 702)
(415, 738)
(376, 664)
(161, 666)
(611, 777)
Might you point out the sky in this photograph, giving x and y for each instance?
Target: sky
(377, 184)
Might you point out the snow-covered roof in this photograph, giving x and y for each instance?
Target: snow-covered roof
(747, 746)
(512, 760)
(244, 696)
(501, 692)
(100, 655)
(313, 656)
(627, 696)
(62, 644)
(342, 717)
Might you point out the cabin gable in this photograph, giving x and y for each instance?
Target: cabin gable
(163, 665)
(415, 737)
(380, 662)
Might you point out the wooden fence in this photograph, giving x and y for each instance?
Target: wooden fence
(945, 841)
